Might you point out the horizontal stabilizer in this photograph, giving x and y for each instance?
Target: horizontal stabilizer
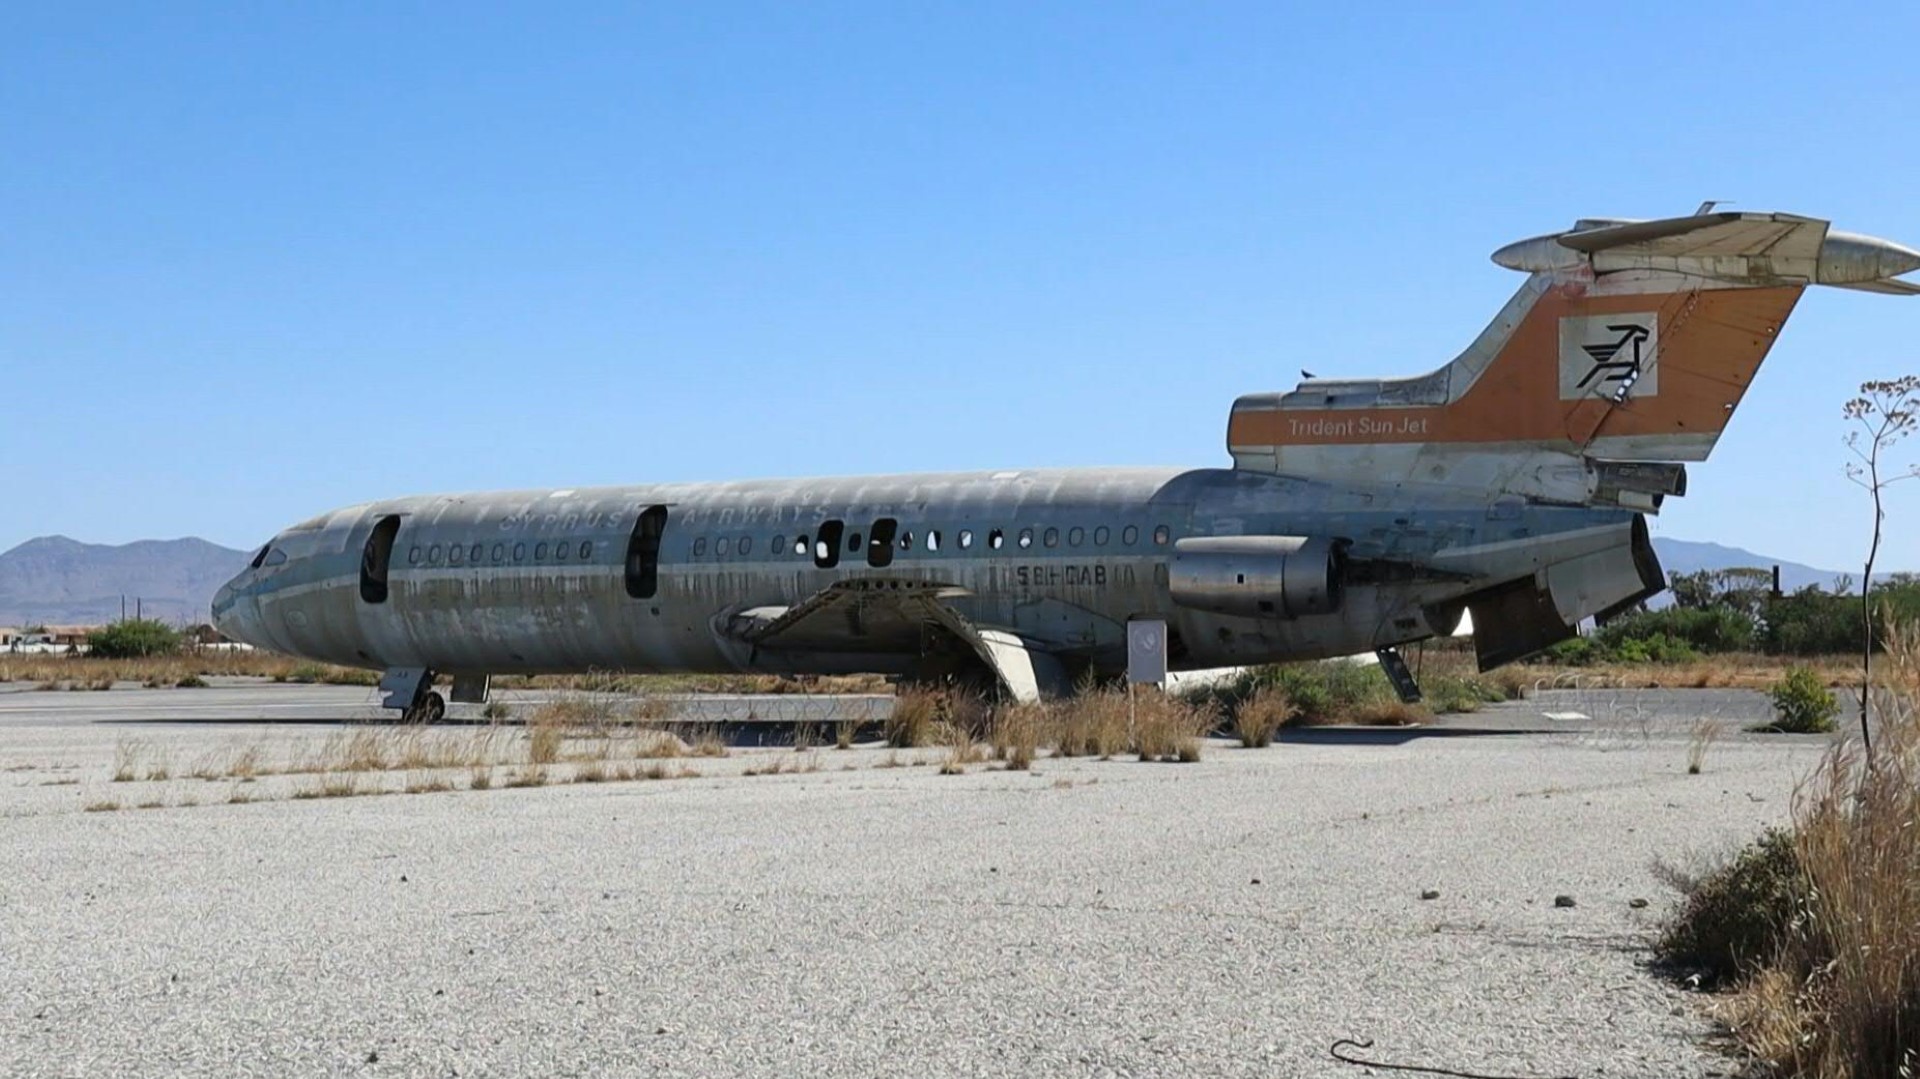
(1889, 287)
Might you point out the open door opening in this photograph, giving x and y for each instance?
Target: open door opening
(376, 557)
(643, 553)
(880, 542)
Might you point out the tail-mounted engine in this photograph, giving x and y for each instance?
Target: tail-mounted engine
(1258, 576)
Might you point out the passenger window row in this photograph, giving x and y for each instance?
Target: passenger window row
(886, 536)
(455, 554)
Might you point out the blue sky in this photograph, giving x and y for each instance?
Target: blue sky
(259, 263)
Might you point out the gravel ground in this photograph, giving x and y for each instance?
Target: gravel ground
(1232, 917)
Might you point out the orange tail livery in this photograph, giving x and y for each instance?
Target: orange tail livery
(1623, 354)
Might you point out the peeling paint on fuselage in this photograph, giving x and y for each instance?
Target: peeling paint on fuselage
(535, 581)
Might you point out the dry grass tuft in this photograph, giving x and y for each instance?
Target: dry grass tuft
(1094, 723)
(530, 776)
(126, 760)
(1834, 986)
(910, 724)
(1391, 712)
(1169, 729)
(961, 749)
(239, 796)
(1260, 716)
(480, 777)
(105, 805)
(1016, 732)
(705, 741)
(544, 741)
(428, 784)
(1704, 733)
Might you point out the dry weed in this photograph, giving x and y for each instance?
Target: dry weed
(1016, 732)
(1704, 733)
(126, 760)
(1260, 717)
(544, 741)
(910, 724)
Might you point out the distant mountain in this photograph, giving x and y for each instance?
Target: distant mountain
(57, 580)
(1690, 556)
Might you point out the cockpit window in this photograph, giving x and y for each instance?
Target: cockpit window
(261, 558)
(276, 557)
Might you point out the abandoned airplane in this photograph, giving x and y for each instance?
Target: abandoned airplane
(1357, 515)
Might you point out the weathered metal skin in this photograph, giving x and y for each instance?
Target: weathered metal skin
(520, 608)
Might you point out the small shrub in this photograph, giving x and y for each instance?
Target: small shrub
(190, 681)
(495, 711)
(1802, 703)
(1735, 917)
(133, 638)
(1260, 716)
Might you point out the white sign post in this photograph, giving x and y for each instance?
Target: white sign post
(1147, 651)
(1146, 662)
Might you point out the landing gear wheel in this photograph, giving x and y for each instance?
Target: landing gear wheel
(432, 709)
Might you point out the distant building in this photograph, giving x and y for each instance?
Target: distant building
(70, 636)
(8, 634)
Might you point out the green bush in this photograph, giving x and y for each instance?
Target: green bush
(1689, 629)
(1734, 917)
(133, 638)
(1467, 694)
(1802, 704)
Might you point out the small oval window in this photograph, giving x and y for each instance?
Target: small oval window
(560, 550)
(586, 551)
(779, 544)
(800, 543)
(746, 545)
(1026, 538)
(519, 552)
(700, 547)
(499, 552)
(1130, 535)
(933, 540)
(474, 555)
(906, 540)
(853, 541)
(1100, 536)
(540, 552)
(1075, 535)
(1161, 534)
(723, 546)
(456, 554)
(966, 538)
(433, 554)
(1051, 537)
(996, 539)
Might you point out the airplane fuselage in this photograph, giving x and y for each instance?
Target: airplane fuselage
(566, 580)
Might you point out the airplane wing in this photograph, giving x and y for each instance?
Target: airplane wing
(861, 615)
(875, 614)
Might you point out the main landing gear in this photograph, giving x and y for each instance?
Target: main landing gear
(410, 689)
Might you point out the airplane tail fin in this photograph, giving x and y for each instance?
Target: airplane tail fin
(1623, 355)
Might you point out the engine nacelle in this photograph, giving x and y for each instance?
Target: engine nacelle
(1258, 576)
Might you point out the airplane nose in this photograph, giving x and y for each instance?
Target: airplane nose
(236, 615)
